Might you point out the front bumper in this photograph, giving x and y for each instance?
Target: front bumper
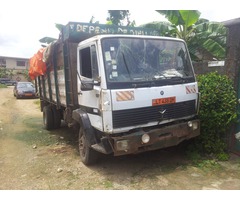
(162, 137)
(26, 95)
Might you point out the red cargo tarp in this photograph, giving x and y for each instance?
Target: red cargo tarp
(37, 66)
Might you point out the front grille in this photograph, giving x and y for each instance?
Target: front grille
(137, 116)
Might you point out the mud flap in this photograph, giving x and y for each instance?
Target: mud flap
(82, 117)
(104, 145)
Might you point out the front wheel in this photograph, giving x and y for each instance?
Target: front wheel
(87, 154)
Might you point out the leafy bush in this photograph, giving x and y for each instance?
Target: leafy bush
(217, 112)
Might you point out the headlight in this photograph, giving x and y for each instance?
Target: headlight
(145, 138)
(19, 92)
(190, 124)
(122, 145)
(193, 125)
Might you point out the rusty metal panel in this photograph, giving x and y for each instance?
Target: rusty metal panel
(73, 72)
(162, 137)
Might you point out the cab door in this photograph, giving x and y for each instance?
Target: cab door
(89, 84)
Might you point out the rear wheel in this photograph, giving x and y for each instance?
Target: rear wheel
(48, 120)
(56, 117)
(87, 154)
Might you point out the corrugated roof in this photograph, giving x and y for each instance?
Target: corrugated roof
(19, 58)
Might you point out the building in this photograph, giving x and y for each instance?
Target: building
(16, 65)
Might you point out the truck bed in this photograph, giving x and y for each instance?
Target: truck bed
(59, 84)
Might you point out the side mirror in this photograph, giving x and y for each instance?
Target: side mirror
(87, 84)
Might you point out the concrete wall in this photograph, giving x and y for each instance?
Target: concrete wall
(233, 53)
(232, 70)
(202, 68)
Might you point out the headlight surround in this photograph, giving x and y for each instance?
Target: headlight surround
(193, 125)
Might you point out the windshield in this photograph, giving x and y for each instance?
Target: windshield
(25, 85)
(134, 60)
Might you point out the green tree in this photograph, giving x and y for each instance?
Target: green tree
(10, 73)
(120, 18)
(3, 72)
(206, 40)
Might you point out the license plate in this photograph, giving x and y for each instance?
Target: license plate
(163, 101)
(28, 94)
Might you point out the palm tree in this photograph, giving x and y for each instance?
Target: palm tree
(206, 40)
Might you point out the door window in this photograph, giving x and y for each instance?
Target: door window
(89, 63)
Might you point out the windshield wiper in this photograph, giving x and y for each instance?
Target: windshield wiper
(157, 77)
(143, 84)
(177, 78)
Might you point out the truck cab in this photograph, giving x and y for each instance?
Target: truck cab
(139, 93)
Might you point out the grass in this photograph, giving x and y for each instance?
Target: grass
(37, 102)
(108, 184)
(208, 165)
(201, 162)
(37, 137)
(3, 86)
(35, 134)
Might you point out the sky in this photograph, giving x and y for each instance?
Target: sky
(24, 22)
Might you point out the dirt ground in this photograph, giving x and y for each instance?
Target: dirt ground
(32, 158)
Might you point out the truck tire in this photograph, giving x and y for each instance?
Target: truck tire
(56, 117)
(87, 154)
(48, 120)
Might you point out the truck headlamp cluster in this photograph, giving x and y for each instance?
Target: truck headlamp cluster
(190, 124)
(122, 145)
(193, 125)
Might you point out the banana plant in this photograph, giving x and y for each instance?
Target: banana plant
(210, 39)
(206, 40)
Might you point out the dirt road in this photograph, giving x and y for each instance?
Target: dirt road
(33, 158)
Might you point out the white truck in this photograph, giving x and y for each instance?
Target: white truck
(125, 91)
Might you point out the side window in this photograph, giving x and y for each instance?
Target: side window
(88, 62)
(85, 62)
